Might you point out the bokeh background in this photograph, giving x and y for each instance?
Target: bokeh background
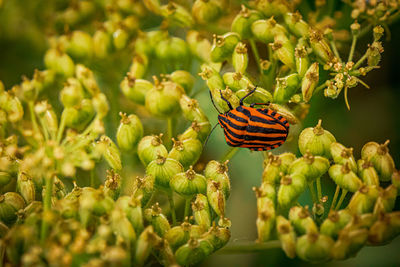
(374, 116)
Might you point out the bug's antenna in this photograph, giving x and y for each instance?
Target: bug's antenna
(226, 100)
(212, 100)
(208, 136)
(252, 91)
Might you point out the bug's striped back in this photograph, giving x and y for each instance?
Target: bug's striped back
(256, 129)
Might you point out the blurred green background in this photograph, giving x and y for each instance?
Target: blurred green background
(374, 116)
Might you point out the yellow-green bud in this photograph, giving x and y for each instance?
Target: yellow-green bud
(374, 54)
(206, 11)
(129, 132)
(344, 177)
(102, 43)
(380, 158)
(144, 245)
(385, 229)
(48, 117)
(213, 78)
(265, 193)
(86, 78)
(135, 89)
(201, 211)
(301, 57)
(184, 79)
(367, 172)
(286, 87)
(386, 200)
(223, 46)
(120, 37)
(216, 197)
(265, 30)
(272, 170)
(79, 45)
(349, 243)
(199, 45)
(121, 226)
(284, 50)
(240, 59)
(197, 130)
(133, 211)
(187, 151)
(217, 236)
(143, 189)
(157, 219)
(363, 200)
(191, 109)
(335, 222)
(163, 169)
(139, 66)
(272, 8)
(320, 46)
(314, 247)
(290, 189)
(26, 187)
(236, 81)
(72, 93)
(396, 179)
(378, 32)
(316, 140)
(296, 25)
(193, 252)
(60, 62)
(188, 183)
(79, 116)
(111, 153)
(310, 81)
(342, 155)
(302, 221)
(265, 224)
(260, 95)
(10, 203)
(146, 42)
(176, 15)
(163, 99)
(150, 147)
(174, 50)
(219, 172)
(5, 178)
(100, 104)
(286, 235)
(243, 21)
(310, 167)
(28, 90)
(112, 185)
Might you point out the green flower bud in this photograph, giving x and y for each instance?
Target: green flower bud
(272, 170)
(176, 15)
(342, 155)
(335, 222)
(217, 236)
(163, 169)
(206, 11)
(386, 200)
(196, 131)
(135, 89)
(146, 42)
(28, 90)
(163, 99)
(296, 25)
(396, 179)
(286, 87)
(11, 105)
(196, 231)
(175, 50)
(193, 252)
(374, 54)
(344, 177)
(265, 223)
(243, 21)
(188, 183)
(42, 80)
(143, 189)
(10, 203)
(260, 95)
(272, 8)
(301, 57)
(236, 81)
(59, 62)
(367, 172)
(311, 167)
(150, 147)
(349, 243)
(100, 105)
(78, 117)
(102, 43)
(3, 230)
(199, 45)
(187, 151)
(284, 50)
(286, 235)
(48, 117)
(157, 219)
(213, 79)
(316, 140)
(380, 158)
(218, 172)
(139, 66)
(265, 193)
(320, 46)
(72, 93)
(363, 200)
(216, 197)
(133, 211)
(265, 30)
(184, 79)
(129, 132)
(385, 229)
(178, 235)
(201, 211)
(314, 247)
(86, 78)
(112, 185)
(121, 226)
(290, 189)
(111, 153)
(310, 81)
(240, 58)
(26, 187)
(78, 44)
(145, 242)
(223, 46)
(191, 110)
(302, 221)
(5, 178)
(378, 32)
(227, 94)
(120, 37)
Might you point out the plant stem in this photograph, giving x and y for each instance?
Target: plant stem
(255, 53)
(313, 196)
(46, 207)
(353, 48)
(172, 207)
(319, 189)
(232, 151)
(335, 197)
(61, 128)
(170, 131)
(33, 116)
(361, 60)
(187, 208)
(319, 88)
(249, 247)
(92, 182)
(344, 192)
(335, 51)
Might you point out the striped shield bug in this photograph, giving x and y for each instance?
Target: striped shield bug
(258, 129)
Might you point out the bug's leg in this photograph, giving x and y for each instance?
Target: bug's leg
(226, 100)
(212, 101)
(243, 98)
(259, 104)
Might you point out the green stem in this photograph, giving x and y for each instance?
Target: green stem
(313, 196)
(319, 189)
(335, 51)
(232, 151)
(335, 197)
(187, 208)
(344, 192)
(361, 60)
(249, 247)
(255, 53)
(172, 207)
(61, 128)
(33, 117)
(170, 131)
(46, 207)
(45, 129)
(353, 48)
(319, 88)
(92, 178)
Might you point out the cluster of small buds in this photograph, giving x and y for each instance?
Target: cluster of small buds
(328, 233)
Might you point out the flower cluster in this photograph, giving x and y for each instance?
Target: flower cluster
(337, 233)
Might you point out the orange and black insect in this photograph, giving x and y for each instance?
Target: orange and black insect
(258, 129)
